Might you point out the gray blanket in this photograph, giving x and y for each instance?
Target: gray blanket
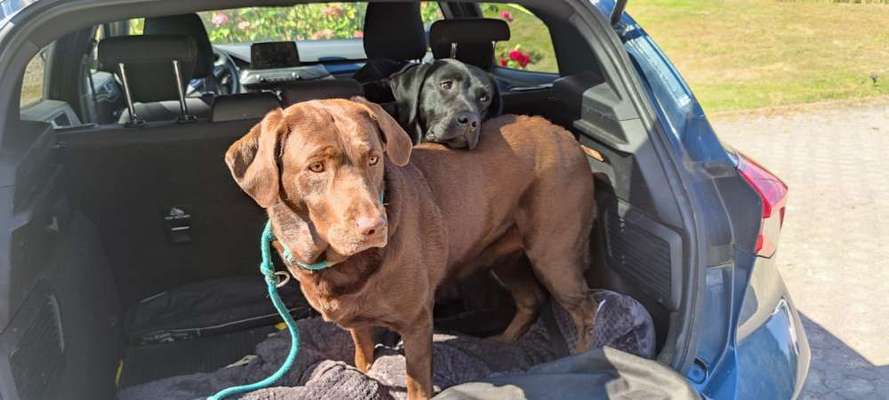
(323, 368)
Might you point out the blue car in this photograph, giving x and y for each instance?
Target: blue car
(128, 255)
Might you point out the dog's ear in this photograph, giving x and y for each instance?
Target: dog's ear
(496, 107)
(253, 161)
(396, 141)
(406, 86)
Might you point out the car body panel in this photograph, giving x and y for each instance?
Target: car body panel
(752, 344)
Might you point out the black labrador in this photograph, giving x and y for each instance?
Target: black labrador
(445, 101)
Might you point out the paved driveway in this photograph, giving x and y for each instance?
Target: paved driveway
(834, 250)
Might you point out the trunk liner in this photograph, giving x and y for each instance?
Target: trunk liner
(148, 363)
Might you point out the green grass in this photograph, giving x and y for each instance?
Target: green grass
(743, 54)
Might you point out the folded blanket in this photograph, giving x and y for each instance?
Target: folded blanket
(323, 368)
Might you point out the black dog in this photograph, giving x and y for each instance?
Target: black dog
(445, 102)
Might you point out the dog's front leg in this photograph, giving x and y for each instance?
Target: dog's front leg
(418, 354)
(364, 347)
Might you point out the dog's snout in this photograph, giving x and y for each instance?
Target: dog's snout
(370, 225)
(469, 119)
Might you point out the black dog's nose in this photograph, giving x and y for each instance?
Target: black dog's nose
(468, 118)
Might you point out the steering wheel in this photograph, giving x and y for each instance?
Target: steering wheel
(226, 73)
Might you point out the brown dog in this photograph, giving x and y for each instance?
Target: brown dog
(318, 169)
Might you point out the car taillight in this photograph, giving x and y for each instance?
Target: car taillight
(773, 194)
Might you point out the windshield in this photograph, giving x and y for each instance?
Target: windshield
(325, 21)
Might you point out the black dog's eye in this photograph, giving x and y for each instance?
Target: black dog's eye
(447, 85)
(373, 160)
(483, 98)
(316, 167)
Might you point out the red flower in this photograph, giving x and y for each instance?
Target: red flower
(520, 57)
(506, 15)
(333, 11)
(219, 18)
(503, 62)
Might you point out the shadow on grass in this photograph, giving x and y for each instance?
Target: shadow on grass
(838, 371)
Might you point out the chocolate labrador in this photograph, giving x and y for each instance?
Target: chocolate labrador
(342, 184)
(445, 102)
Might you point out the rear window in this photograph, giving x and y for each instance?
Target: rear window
(326, 21)
(34, 79)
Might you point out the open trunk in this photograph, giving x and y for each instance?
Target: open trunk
(133, 255)
(142, 255)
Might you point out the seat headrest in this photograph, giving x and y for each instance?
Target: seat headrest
(321, 89)
(242, 106)
(148, 60)
(394, 31)
(187, 25)
(474, 38)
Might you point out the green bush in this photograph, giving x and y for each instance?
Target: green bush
(299, 22)
(530, 47)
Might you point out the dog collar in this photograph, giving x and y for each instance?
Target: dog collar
(323, 264)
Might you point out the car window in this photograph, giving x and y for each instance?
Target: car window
(299, 22)
(530, 46)
(34, 79)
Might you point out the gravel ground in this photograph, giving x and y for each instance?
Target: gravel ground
(834, 250)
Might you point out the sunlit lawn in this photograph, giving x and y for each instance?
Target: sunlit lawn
(742, 54)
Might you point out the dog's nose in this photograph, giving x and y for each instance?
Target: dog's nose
(369, 226)
(469, 119)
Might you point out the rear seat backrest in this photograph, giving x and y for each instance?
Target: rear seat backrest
(255, 105)
(129, 181)
(321, 89)
(393, 37)
(242, 106)
(148, 61)
(473, 37)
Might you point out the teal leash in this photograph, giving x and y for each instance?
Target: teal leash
(268, 271)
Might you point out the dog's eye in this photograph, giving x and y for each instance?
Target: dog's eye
(373, 160)
(316, 167)
(447, 85)
(483, 98)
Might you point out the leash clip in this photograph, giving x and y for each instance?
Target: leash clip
(281, 282)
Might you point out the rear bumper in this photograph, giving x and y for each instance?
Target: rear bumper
(770, 357)
(773, 361)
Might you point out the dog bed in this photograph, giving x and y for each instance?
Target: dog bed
(323, 368)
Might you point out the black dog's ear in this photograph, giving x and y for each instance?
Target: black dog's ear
(496, 107)
(406, 86)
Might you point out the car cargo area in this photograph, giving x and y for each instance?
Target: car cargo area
(145, 255)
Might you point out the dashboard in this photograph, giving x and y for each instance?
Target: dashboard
(341, 57)
(273, 64)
